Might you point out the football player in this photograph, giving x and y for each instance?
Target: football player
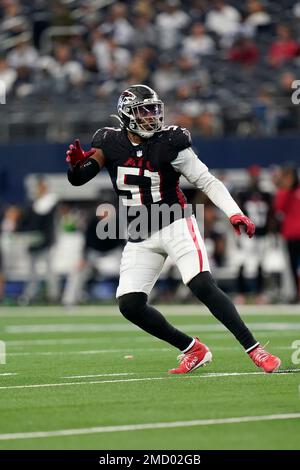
(145, 160)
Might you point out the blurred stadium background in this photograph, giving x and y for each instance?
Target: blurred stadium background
(225, 71)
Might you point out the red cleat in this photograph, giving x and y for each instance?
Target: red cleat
(198, 355)
(265, 360)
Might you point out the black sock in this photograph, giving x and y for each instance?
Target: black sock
(206, 290)
(134, 308)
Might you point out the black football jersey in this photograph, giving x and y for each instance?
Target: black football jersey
(257, 205)
(143, 174)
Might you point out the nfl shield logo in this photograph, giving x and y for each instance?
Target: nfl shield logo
(139, 153)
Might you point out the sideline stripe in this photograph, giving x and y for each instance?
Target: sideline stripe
(168, 309)
(123, 351)
(141, 427)
(143, 379)
(224, 335)
(130, 328)
(191, 229)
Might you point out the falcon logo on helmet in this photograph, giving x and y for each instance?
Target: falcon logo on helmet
(141, 111)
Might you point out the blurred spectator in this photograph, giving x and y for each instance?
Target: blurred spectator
(2, 279)
(86, 13)
(214, 236)
(208, 124)
(13, 22)
(67, 219)
(61, 71)
(24, 85)
(198, 43)
(144, 8)
(190, 76)
(223, 19)
(257, 18)
(60, 14)
(90, 66)
(65, 70)
(137, 72)
(265, 114)
(23, 55)
(244, 51)
(288, 112)
(187, 101)
(183, 120)
(296, 10)
(39, 219)
(118, 25)
(8, 75)
(9, 224)
(284, 48)
(287, 206)
(198, 10)
(112, 60)
(144, 31)
(170, 24)
(166, 76)
(11, 219)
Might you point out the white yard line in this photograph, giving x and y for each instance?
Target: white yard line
(122, 327)
(112, 310)
(145, 426)
(69, 328)
(128, 350)
(224, 335)
(96, 375)
(143, 379)
(8, 373)
(86, 351)
(53, 342)
(50, 342)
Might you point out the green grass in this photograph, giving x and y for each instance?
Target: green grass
(48, 345)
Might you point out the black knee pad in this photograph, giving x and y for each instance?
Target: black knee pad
(131, 304)
(203, 285)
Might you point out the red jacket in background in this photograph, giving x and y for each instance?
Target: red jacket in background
(287, 203)
(282, 51)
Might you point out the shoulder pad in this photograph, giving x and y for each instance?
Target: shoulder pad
(179, 137)
(102, 136)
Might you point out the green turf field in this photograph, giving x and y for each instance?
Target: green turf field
(67, 383)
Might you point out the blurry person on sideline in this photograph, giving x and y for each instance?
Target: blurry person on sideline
(10, 223)
(287, 207)
(257, 204)
(102, 256)
(40, 219)
(2, 281)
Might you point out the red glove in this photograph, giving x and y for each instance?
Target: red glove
(238, 220)
(76, 154)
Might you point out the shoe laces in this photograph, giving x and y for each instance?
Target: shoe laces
(183, 357)
(260, 355)
(180, 358)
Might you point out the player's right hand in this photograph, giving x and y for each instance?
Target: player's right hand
(76, 154)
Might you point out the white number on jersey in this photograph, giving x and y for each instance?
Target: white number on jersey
(136, 198)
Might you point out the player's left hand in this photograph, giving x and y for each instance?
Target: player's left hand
(240, 220)
(76, 154)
